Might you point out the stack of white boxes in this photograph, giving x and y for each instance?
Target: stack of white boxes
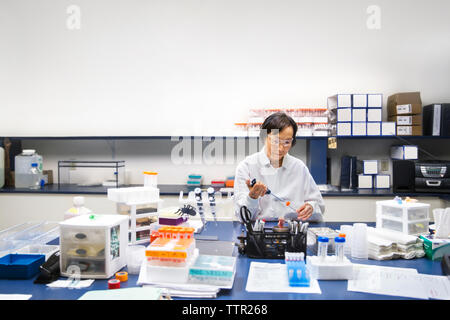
(371, 178)
(359, 115)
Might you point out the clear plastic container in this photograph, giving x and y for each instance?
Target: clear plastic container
(9, 233)
(359, 247)
(77, 209)
(150, 179)
(322, 248)
(135, 256)
(22, 162)
(339, 248)
(46, 250)
(9, 246)
(36, 177)
(91, 173)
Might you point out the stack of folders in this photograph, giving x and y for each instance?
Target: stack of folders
(359, 115)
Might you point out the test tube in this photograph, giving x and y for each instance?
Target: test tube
(322, 248)
(339, 248)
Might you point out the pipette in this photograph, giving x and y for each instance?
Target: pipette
(198, 198)
(287, 203)
(212, 203)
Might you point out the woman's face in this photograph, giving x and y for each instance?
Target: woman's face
(279, 144)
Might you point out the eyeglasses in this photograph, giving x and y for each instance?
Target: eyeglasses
(274, 141)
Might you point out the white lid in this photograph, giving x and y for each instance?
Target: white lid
(28, 152)
(95, 220)
(393, 203)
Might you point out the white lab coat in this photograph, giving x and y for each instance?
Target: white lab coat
(292, 182)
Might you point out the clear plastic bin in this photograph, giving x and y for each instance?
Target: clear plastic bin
(46, 250)
(91, 173)
(9, 246)
(36, 232)
(8, 234)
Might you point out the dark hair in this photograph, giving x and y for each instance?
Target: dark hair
(278, 121)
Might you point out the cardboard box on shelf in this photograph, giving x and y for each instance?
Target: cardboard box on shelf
(409, 130)
(404, 103)
(411, 120)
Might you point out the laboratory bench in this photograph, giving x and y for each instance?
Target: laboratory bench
(229, 231)
(174, 190)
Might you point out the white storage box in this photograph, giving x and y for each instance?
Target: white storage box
(359, 128)
(344, 114)
(388, 129)
(373, 128)
(375, 100)
(370, 166)
(408, 218)
(359, 115)
(404, 152)
(359, 101)
(344, 129)
(344, 100)
(374, 115)
(382, 181)
(93, 245)
(365, 181)
(329, 269)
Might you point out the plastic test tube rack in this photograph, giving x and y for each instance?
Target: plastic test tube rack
(174, 246)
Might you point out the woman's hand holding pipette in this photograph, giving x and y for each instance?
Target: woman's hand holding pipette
(305, 211)
(257, 190)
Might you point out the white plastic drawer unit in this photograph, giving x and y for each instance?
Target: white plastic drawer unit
(93, 246)
(408, 217)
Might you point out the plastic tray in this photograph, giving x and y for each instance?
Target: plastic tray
(37, 249)
(20, 266)
(9, 246)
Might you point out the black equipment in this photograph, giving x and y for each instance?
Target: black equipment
(403, 176)
(432, 176)
(349, 177)
(436, 120)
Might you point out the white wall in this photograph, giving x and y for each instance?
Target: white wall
(169, 67)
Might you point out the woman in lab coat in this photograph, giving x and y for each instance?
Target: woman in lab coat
(286, 176)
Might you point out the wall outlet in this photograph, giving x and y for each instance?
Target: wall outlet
(384, 165)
